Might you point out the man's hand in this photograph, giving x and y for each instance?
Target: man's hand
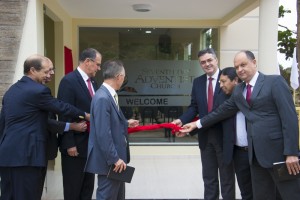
(120, 166)
(177, 122)
(292, 163)
(133, 123)
(87, 116)
(72, 151)
(80, 127)
(188, 127)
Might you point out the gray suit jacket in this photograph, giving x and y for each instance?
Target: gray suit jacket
(272, 123)
(108, 134)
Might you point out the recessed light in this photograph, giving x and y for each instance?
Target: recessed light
(141, 7)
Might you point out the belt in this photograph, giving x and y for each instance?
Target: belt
(241, 148)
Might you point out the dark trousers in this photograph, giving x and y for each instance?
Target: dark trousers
(243, 173)
(41, 187)
(78, 185)
(20, 183)
(109, 189)
(264, 184)
(212, 163)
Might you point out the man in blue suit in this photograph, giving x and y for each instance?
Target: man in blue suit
(108, 142)
(206, 92)
(272, 127)
(23, 130)
(77, 88)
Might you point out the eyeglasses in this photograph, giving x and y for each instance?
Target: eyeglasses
(121, 75)
(50, 70)
(98, 64)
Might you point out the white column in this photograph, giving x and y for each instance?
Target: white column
(32, 36)
(268, 30)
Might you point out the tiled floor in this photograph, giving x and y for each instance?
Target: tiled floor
(162, 172)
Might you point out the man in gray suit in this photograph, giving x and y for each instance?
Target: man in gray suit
(272, 126)
(108, 140)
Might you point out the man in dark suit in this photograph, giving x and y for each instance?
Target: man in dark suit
(108, 142)
(235, 144)
(23, 132)
(55, 128)
(205, 92)
(272, 127)
(77, 88)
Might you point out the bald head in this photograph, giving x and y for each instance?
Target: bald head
(35, 61)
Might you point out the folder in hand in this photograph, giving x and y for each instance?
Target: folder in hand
(124, 176)
(281, 172)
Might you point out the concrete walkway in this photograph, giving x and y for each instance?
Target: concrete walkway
(162, 172)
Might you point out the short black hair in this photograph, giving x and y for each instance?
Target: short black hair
(205, 51)
(230, 72)
(88, 53)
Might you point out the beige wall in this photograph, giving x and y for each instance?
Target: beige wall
(62, 34)
(240, 35)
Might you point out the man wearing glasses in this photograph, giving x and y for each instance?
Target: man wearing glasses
(78, 88)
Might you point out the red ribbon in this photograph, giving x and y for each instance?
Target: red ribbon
(174, 128)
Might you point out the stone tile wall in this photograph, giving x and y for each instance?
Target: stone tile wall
(12, 18)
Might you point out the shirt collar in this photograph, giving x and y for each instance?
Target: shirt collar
(110, 89)
(215, 75)
(83, 74)
(254, 79)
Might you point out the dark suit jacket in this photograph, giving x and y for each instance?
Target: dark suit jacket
(54, 128)
(272, 123)
(229, 133)
(108, 136)
(23, 120)
(73, 90)
(199, 106)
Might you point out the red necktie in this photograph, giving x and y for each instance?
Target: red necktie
(210, 95)
(90, 87)
(248, 94)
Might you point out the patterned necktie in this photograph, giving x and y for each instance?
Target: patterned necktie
(248, 94)
(117, 100)
(210, 95)
(90, 87)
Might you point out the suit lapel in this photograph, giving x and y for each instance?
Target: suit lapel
(83, 84)
(112, 100)
(94, 84)
(257, 87)
(217, 88)
(240, 90)
(203, 91)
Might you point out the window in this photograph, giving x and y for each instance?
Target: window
(160, 65)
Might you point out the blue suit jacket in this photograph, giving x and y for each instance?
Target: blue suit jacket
(73, 90)
(23, 123)
(108, 135)
(272, 122)
(198, 106)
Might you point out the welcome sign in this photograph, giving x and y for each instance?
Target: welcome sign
(158, 83)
